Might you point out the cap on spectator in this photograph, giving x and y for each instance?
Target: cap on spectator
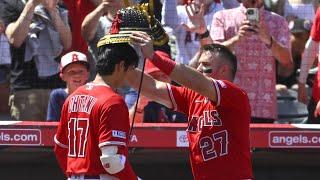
(149, 67)
(300, 25)
(73, 57)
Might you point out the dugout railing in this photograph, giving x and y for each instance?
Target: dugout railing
(165, 135)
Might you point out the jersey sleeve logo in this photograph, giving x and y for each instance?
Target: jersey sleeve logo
(119, 134)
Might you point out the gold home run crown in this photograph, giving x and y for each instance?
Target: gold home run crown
(131, 19)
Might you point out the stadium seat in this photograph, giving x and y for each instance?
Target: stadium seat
(291, 111)
(287, 94)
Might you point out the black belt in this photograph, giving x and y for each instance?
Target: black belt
(91, 176)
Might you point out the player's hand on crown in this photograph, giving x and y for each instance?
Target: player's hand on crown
(143, 40)
(197, 23)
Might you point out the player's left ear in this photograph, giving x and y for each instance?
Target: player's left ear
(119, 67)
(224, 70)
(122, 66)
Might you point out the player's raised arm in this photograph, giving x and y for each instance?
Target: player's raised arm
(151, 88)
(180, 73)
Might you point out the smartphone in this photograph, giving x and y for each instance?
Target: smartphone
(253, 15)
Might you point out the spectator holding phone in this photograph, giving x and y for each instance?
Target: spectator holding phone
(256, 44)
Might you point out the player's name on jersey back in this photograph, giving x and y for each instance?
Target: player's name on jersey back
(81, 103)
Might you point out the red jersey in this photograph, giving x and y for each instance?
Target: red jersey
(93, 116)
(218, 133)
(315, 35)
(78, 10)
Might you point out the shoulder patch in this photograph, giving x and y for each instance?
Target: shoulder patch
(119, 134)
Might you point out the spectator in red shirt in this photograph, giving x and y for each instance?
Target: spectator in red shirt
(78, 9)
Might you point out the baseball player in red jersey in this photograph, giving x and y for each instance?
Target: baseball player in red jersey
(218, 111)
(92, 136)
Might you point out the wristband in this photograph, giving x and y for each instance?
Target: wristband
(162, 61)
(204, 35)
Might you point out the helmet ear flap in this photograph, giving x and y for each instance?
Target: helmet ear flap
(160, 37)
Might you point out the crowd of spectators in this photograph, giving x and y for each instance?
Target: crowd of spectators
(35, 34)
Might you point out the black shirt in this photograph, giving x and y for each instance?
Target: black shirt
(24, 75)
